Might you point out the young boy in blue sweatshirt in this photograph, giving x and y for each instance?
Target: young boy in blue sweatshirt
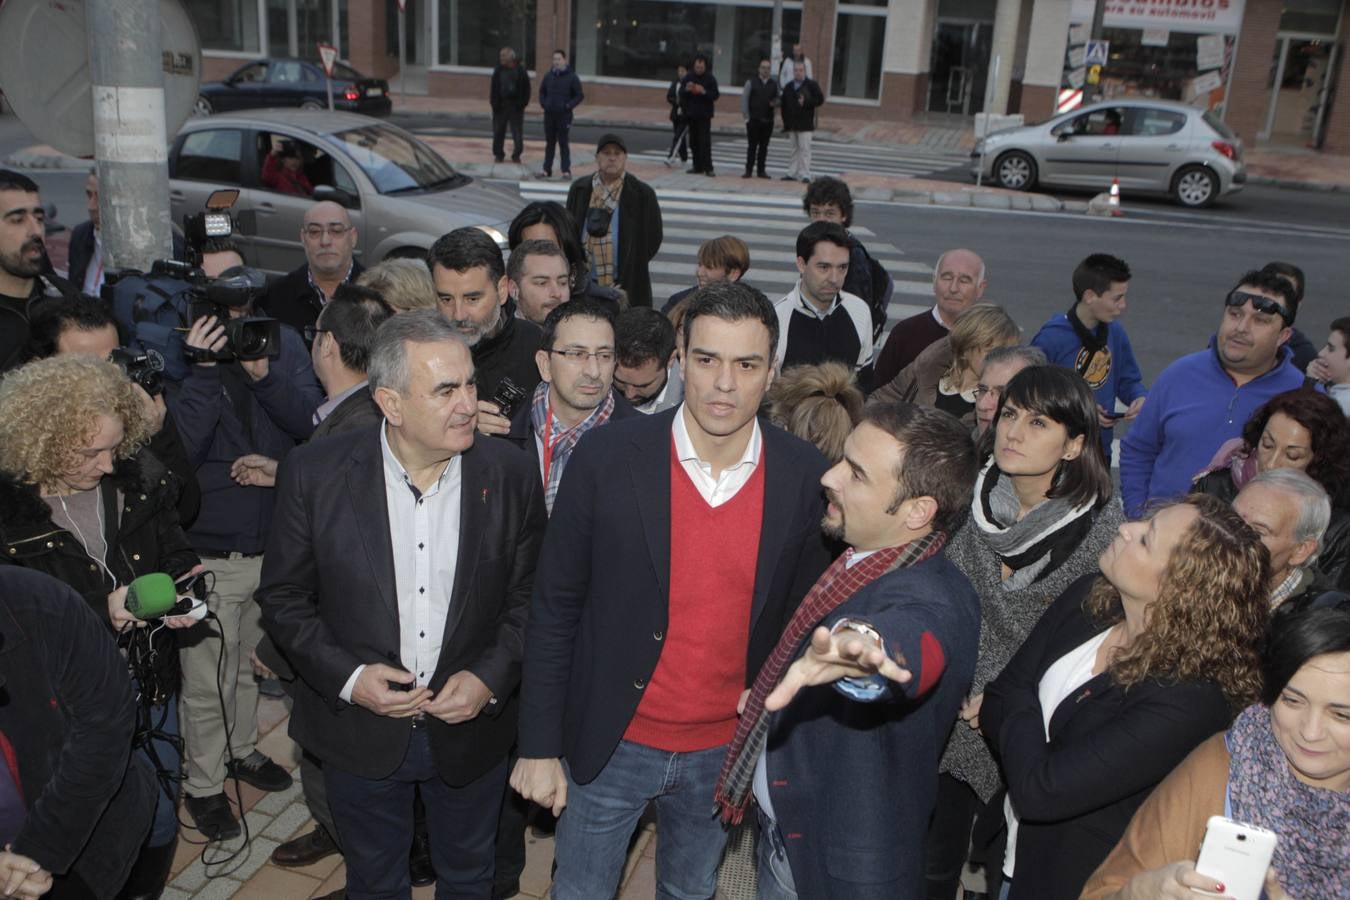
(1089, 340)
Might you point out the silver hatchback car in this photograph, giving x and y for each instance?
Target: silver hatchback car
(401, 194)
(1152, 146)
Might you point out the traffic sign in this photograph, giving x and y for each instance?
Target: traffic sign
(1096, 53)
(327, 56)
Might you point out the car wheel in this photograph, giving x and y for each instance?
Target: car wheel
(1195, 187)
(1015, 171)
(202, 107)
(313, 104)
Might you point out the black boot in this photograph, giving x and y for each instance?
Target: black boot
(150, 872)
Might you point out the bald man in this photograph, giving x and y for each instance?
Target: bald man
(329, 239)
(958, 281)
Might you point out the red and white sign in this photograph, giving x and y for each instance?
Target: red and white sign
(1223, 16)
(327, 56)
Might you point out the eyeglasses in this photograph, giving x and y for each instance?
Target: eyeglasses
(982, 389)
(312, 333)
(335, 230)
(1260, 304)
(579, 356)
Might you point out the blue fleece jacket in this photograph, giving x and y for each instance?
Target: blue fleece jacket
(1120, 379)
(1193, 408)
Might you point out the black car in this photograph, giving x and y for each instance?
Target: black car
(294, 82)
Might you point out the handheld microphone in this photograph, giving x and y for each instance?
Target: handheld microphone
(151, 595)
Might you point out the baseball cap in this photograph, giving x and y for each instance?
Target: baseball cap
(610, 138)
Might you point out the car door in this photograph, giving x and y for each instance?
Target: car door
(1153, 144)
(206, 160)
(279, 214)
(1083, 150)
(245, 89)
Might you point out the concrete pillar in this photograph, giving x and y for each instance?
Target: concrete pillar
(1007, 22)
(1249, 89)
(552, 30)
(908, 53)
(1046, 42)
(818, 38)
(367, 29)
(587, 49)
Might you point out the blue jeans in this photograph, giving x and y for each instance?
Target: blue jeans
(595, 827)
(774, 876)
(374, 818)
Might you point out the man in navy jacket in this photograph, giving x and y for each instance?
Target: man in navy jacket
(848, 776)
(559, 94)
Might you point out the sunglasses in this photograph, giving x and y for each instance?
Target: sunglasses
(1259, 303)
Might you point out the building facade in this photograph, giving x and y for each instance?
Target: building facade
(1273, 69)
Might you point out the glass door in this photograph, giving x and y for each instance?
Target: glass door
(959, 66)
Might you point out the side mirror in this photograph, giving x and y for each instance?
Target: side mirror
(342, 198)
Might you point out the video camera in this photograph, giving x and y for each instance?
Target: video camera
(146, 368)
(159, 307)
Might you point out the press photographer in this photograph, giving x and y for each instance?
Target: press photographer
(233, 402)
(82, 500)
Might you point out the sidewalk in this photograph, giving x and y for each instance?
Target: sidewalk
(275, 818)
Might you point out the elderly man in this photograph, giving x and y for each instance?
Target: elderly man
(397, 582)
(1000, 365)
(619, 222)
(329, 238)
(1290, 511)
(885, 646)
(958, 282)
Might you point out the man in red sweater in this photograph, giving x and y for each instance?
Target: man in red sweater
(680, 545)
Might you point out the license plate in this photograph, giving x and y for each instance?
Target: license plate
(374, 92)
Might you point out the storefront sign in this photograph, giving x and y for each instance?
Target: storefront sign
(1155, 37)
(1176, 15)
(1207, 82)
(1208, 52)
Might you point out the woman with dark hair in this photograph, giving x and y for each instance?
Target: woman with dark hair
(1301, 429)
(547, 220)
(1125, 674)
(1284, 765)
(1043, 512)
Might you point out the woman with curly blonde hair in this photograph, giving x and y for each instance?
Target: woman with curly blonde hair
(1125, 674)
(404, 283)
(82, 501)
(819, 403)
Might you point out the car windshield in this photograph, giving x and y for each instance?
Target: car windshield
(395, 162)
(1213, 121)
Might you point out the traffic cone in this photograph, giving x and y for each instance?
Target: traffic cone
(1114, 201)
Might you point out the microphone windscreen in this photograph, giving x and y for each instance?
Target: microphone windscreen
(151, 595)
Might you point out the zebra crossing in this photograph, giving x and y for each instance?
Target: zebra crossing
(769, 226)
(830, 158)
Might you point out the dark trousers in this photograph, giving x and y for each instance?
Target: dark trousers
(679, 140)
(374, 818)
(948, 842)
(556, 127)
(511, 835)
(500, 119)
(700, 144)
(757, 136)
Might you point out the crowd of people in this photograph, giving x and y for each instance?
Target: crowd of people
(525, 544)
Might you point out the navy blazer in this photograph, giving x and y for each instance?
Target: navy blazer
(853, 783)
(1108, 748)
(329, 603)
(601, 601)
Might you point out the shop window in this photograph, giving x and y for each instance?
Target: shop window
(1192, 68)
(210, 155)
(230, 25)
(471, 32)
(1157, 122)
(858, 43)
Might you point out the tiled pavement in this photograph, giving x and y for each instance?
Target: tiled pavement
(275, 818)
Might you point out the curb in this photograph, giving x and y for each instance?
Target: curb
(1288, 184)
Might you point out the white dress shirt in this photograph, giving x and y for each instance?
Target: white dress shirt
(424, 533)
(93, 276)
(715, 491)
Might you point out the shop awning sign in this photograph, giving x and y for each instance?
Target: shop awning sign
(1096, 53)
(1205, 16)
(1208, 52)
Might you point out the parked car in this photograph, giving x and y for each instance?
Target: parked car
(294, 82)
(1152, 146)
(402, 195)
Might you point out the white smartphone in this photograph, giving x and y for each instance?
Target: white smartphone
(1237, 855)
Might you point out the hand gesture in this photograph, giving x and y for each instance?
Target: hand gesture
(22, 877)
(541, 781)
(372, 692)
(1104, 418)
(1134, 409)
(831, 657)
(1318, 371)
(255, 469)
(206, 334)
(184, 621)
(462, 698)
(1170, 882)
(490, 418)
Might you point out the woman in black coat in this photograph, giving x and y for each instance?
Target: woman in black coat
(82, 502)
(1123, 676)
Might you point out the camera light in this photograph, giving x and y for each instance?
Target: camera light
(217, 224)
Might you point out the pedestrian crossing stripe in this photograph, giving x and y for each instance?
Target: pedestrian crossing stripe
(835, 157)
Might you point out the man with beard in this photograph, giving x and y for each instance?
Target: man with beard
(24, 272)
(472, 291)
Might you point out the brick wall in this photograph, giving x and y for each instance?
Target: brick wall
(818, 38)
(1249, 91)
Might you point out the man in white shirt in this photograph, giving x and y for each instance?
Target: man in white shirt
(818, 319)
(785, 67)
(402, 560)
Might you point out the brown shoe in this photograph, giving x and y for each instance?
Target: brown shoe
(308, 848)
